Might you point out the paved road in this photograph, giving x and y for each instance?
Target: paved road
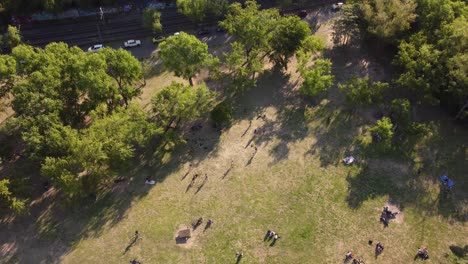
(215, 39)
(90, 30)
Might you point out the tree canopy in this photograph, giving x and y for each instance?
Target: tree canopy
(185, 55)
(388, 18)
(198, 10)
(152, 20)
(11, 38)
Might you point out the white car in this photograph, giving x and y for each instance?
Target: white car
(95, 48)
(132, 43)
(337, 6)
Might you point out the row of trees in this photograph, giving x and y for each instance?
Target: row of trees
(430, 37)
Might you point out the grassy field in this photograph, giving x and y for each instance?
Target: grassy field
(289, 179)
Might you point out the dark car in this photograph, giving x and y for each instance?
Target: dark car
(202, 32)
(302, 14)
(158, 39)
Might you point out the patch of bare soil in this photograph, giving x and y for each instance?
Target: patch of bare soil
(190, 242)
(395, 208)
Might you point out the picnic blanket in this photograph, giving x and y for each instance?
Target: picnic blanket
(447, 181)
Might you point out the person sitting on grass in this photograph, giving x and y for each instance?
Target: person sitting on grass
(379, 248)
(423, 253)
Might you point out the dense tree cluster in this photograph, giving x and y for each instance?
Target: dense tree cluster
(264, 34)
(74, 116)
(431, 38)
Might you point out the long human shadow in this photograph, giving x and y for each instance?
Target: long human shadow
(460, 252)
(274, 89)
(336, 131)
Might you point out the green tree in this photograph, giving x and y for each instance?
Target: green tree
(95, 156)
(12, 37)
(453, 43)
(347, 27)
(309, 46)
(383, 133)
(177, 103)
(252, 27)
(318, 79)
(59, 79)
(289, 35)
(7, 74)
(253, 30)
(198, 10)
(127, 72)
(152, 20)
(67, 81)
(433, 14)
(185, 55)
(222, 113)
(386, 19)
(195, 10)
(401, 113)
(7, 199)
(420, 66)
(362, 91)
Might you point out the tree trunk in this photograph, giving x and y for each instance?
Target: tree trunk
(461, 110)
(190, 81)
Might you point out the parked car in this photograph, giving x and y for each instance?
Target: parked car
(203, 32)
(176, 33)
(302, 14)
(132, 43)
(95, 48)
(158, 39)
(337, 6)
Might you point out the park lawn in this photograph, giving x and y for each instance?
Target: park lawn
(296, 186)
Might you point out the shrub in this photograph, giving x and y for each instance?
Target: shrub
(382, 133)
(401, 113)
(363, 91)
(222, 113)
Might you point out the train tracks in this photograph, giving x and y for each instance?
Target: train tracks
(90, 30)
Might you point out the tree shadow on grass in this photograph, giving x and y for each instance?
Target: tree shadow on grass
(50, 230)
(336, 132)
(275, 91)
(460, 252)
(413, 178)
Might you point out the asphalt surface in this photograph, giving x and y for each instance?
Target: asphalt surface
(117, 28)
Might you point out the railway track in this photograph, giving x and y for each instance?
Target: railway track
(90, 30)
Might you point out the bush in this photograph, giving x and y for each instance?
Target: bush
(363, 91)
(318, 79)
(222, 113)
(382, 133)
(401, 113)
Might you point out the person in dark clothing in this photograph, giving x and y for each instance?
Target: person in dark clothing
(379, 248)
